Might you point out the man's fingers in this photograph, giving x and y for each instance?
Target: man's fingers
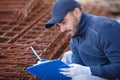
(72, 65)
(65, 69)
(67, 74)
(64, 73)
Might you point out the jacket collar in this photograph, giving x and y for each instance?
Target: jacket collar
(82, 26)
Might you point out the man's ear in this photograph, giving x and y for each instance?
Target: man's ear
(77, 12)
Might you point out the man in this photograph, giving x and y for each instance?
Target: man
(95, 42)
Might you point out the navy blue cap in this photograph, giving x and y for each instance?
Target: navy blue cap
(60, 9)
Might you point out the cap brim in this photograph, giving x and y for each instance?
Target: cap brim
(53, 21)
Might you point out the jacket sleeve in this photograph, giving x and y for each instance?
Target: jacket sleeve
(109, 41)
(74, 42)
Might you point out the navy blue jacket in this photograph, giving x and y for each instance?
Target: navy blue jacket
(97, 45)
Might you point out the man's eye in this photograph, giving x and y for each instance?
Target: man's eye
(63, 22)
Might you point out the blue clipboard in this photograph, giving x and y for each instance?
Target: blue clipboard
(49, 70)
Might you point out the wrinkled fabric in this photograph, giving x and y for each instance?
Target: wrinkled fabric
(97, 45)
(87, 77)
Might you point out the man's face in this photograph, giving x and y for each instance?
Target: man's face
(69, 24)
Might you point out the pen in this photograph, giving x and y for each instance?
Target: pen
(34, 51)
(42, 51)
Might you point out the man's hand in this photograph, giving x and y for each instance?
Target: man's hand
(75, 70)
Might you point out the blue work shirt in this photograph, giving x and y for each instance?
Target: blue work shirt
(97, 45)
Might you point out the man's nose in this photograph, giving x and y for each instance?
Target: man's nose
(62, 29)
